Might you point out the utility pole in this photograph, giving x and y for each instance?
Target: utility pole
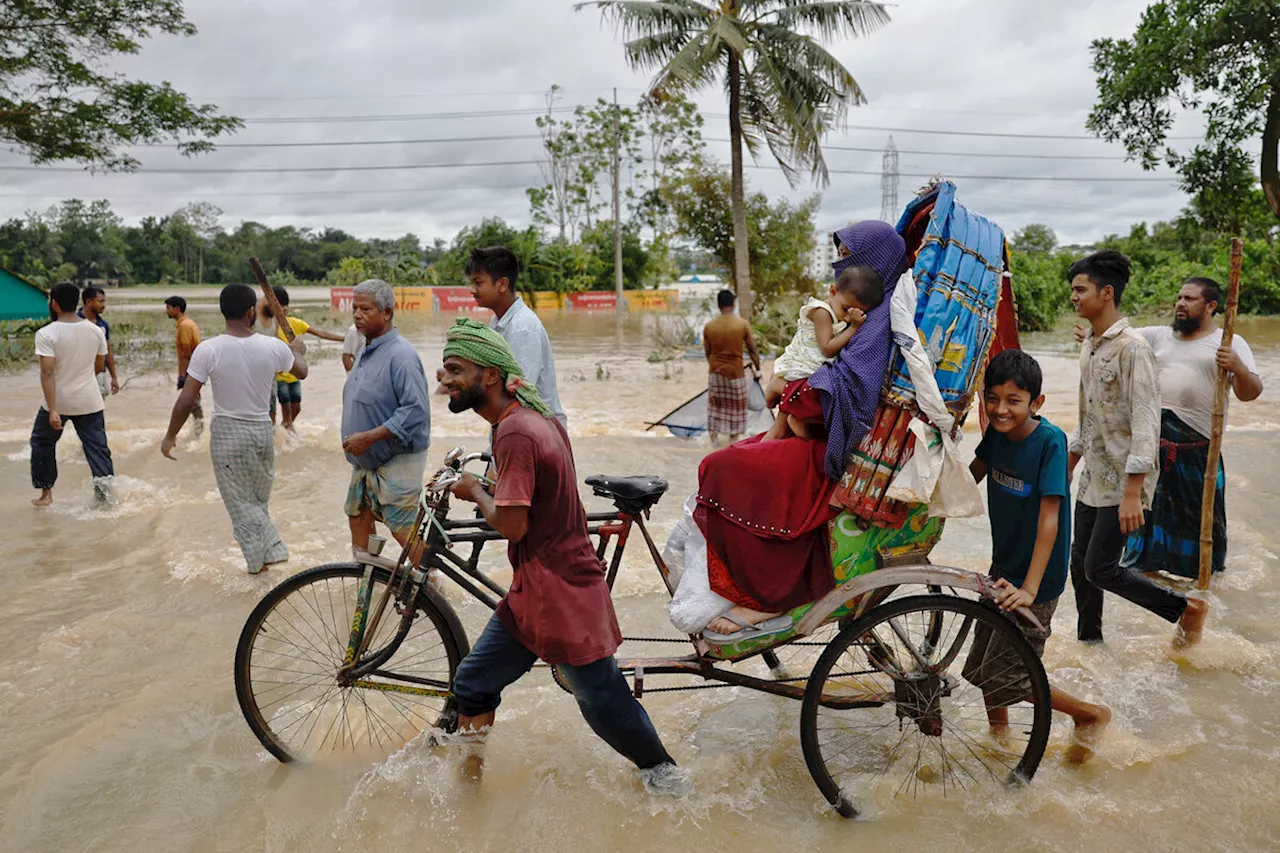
(617, 209)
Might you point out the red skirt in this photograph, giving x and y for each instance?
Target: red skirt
(764, 508)
(801, 402)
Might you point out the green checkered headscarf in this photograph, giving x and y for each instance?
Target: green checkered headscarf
(479, 344)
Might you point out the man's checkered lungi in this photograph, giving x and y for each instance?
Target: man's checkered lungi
(726, 404)
(244, 466)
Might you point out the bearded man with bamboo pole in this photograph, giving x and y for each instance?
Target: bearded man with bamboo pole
(1189, 355)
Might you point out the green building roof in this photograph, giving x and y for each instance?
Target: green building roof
(20, 299)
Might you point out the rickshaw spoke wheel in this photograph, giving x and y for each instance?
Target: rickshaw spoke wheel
(887, 712)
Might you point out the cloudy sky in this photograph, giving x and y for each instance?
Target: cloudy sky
(939, 77)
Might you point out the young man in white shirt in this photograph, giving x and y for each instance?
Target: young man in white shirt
(242, 366)
(1189, 354)
(1118, 437)
(72, 351)
(493, 274)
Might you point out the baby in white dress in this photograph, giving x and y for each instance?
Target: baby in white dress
(824, 327)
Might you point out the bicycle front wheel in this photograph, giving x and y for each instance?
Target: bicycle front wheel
(294, 644)
(889, 711)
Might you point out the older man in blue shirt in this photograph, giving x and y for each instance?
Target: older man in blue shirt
(386, 421)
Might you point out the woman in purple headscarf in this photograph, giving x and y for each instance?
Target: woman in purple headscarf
(763, 506)
(850, 383)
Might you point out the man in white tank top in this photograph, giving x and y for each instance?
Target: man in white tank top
(1188, 355)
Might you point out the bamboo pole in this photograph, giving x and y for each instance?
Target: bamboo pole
(1219, 405)
(274, 304)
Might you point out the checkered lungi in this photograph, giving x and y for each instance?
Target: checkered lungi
(390, 491)
(726, 404)
(244, 466)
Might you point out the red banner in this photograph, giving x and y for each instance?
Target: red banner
(456, 299)
(340, 299)
(593, 301)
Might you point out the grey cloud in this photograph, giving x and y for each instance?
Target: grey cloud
(1002, 66)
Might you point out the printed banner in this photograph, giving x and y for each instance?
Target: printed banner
(340, 299)
(414, 300)
(456, 299)
(651, 300)
(544, 300)
(592, 301)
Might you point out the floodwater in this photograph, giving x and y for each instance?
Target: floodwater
(119, 625)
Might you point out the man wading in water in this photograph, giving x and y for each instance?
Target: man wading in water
(1189, 354)
(558, 607)
(723, 340)
(1118, 438)
(242, 366)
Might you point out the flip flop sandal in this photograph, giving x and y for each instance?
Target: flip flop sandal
(776, 625)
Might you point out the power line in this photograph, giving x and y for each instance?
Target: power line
(357, 142)
(399, 96)
(346, 143)
(419, 166)
(263, 194)
(530, 136)
(996, 134)
(523, 111)
(283, 169)
(571, 108)
(949, 176)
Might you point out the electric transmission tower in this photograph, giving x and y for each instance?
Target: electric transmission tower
(889, 183)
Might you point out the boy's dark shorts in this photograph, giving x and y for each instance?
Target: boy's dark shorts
(289, 392)
(995, 668)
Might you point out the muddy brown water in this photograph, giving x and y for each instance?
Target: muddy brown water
(121, 729)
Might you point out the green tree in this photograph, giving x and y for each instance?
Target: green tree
(784, 88)
(149, 252)
(90, 238)
(635, 259)
(1219, 56)
(30, 247)
(490, 232)
(577, 157)
(781, 232)
(1035, 238)
(58, 103)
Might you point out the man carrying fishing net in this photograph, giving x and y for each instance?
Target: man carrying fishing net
(558, 607)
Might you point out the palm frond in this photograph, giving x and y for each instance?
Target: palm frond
(695, 65)
(727, 33)
(657, 50)
(639, 18)
(799, 92)
(834, 18)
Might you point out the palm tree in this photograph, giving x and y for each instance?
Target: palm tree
(783, 87)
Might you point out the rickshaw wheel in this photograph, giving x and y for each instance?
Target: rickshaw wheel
(887, 710)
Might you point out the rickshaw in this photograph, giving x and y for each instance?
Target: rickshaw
(359, 656)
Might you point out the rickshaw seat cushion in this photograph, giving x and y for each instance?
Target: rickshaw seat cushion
(643, 490)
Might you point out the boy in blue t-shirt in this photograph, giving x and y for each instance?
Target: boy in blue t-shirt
(1024, 458)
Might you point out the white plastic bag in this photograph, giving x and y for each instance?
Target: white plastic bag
(694, 604)
(918, 477)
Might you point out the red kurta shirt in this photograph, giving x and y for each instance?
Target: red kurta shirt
(558, 606)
